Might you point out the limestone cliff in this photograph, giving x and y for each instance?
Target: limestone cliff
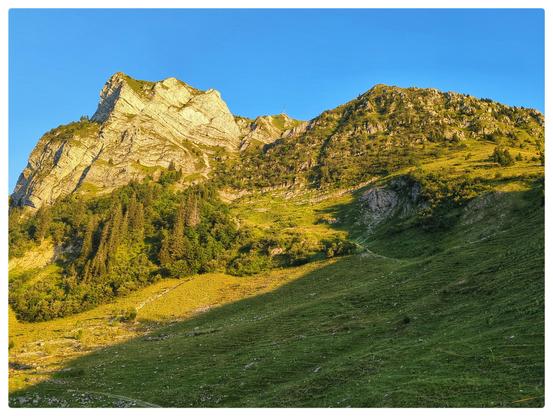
(138, 129)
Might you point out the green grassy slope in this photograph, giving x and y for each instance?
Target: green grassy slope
(453, 318)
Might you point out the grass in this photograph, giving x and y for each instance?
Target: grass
(458, 323)
(138, 86)
(47, 346)
(450, 318)
(276, 212)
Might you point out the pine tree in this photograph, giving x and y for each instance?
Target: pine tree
(131, 208)
(86, 273)
(116, 222)
(86, 248)
(43, 221)
(124, 228)
(138, 222)
(99, 261)
(192, 211)
(148, 196)
(177, 243)
(164, 255)
(136, 219)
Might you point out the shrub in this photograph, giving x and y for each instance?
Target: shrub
(502, 156)
(247, 264)
(338, 247)
(129, 315)
(79, 335)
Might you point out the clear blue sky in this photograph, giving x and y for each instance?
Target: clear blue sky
(264, 61)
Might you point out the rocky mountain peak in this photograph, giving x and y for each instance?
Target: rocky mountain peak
(138, 129)
(169, 103)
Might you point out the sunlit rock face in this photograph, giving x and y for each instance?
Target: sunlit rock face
(139, 129)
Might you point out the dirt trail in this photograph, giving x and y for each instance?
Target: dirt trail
(159, 295)
(142, 403)
(369, 253)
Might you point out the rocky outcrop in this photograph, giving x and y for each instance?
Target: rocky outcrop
(139, 129)
(398, 197)
(267, 129)
(489, 204)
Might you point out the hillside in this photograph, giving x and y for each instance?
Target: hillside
(382, 131)
(454, 318)
(389, 252)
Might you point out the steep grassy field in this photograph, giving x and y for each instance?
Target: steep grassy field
(447, 318)
(44, 347)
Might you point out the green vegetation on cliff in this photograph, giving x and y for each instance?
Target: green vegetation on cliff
(382, 131)
(114, 244)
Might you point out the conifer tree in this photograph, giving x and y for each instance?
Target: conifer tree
(124, 228)
(99, 262)
(136, 220)
(43, 221)
(192, 211)
(86, 248)
(86, 273)
(177, 243)
(164, 255)
(116, 222)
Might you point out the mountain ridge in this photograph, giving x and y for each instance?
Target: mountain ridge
(141, 128)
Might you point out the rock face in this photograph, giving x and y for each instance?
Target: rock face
(139, 129)
(399, 197)
(267, 129)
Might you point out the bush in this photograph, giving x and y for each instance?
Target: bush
(169, 177)
(502, 156)
(247, 264)
(338, 247)
(298, 253)
(129, 315)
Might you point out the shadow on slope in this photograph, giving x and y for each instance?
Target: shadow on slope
(461, 327)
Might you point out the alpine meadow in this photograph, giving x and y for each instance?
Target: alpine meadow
(389, 252)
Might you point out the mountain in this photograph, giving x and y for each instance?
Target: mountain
(383, 130)
(139, 129)
(388, 252)
(143, 182)
(267, 129)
